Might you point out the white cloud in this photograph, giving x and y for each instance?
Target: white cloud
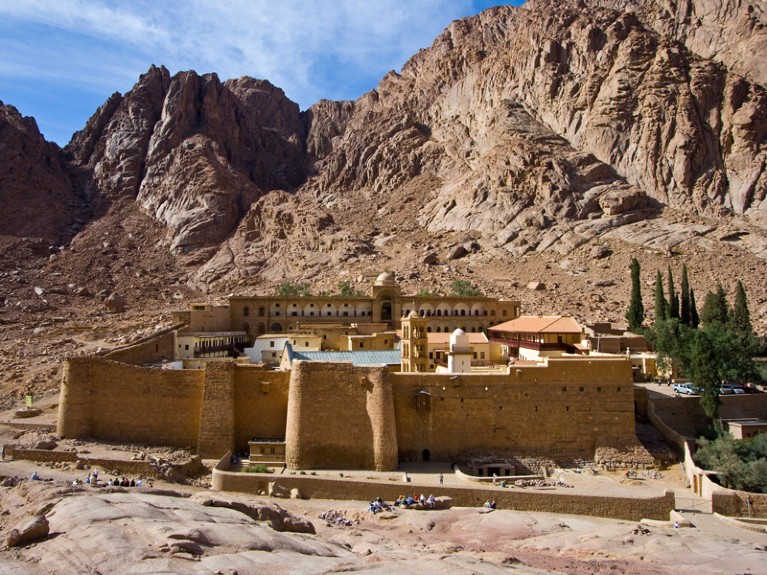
(300, 46)
(334, 49)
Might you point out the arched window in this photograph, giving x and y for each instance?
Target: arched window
(261, 311)
(276, 328)
(261, 329)
(246, 311)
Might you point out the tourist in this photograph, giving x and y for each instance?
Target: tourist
(441, 479)
(422, 500)
(432, 501)
(35, 476)
(487, 504)
(492, 504)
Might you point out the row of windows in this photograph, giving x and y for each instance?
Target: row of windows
(440, 312)
(365, 310)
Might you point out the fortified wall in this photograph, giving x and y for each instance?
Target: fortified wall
(336, 415)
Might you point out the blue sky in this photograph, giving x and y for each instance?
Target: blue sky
(61, 59)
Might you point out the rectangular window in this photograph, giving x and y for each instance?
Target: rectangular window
(271, 344)
(186, 347)
(361, 345)
(481, 355)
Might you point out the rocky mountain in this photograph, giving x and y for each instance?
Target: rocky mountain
(521, 144)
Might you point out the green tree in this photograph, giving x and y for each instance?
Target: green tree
(684, 308)
(635, 313)
(694, 317)
(464, 288)
(289, 289)
(703, 370)
(672, 342)
(715, 308)
(660, 299)
(739, 463)
(426, 293)
(741, 317)
(673, 298)
(346, 289)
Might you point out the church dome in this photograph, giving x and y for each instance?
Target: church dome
(385, 279)
(413, 314)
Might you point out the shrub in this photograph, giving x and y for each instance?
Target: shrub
(260, 468)
(463, 288)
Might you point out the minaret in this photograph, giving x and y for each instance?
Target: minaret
(415, 355)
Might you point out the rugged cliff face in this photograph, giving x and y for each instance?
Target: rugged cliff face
(37, 197)
(529, 130)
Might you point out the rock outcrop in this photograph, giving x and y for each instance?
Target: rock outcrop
(37, 198)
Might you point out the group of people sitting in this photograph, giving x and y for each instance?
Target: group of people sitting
(378, 505)
(422, 501)
(93, 479)
(490, 504)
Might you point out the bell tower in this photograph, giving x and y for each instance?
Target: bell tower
(415, 344)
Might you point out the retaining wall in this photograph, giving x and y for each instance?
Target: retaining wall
(628, 508)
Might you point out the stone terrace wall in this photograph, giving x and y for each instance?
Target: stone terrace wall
(340, 416)
(568, 408)
(628, 508)
(261, 404)
(685, 415)
(152, 349)
(107, 400)
(118, 467)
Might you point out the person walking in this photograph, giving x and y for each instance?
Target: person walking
(441, 479)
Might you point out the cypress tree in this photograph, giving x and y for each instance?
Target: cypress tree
(684, 308)
(635, 313)
(661, 304)
(673, 299)
(741, 318)
(704, 372)
(715, 307)
(694, 317)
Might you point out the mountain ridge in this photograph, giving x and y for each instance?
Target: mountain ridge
(521, 142)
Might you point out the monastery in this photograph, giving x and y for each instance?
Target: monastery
(214, 382)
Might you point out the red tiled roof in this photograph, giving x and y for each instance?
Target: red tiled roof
(540, 324)
(474, 337)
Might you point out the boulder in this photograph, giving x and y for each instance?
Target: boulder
(536, 286)
(46, 444)
(430, 258)
(456, 253)
(31, 530)
(114, 303)
(599, 252)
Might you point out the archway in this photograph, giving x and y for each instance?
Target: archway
(386, 309)
(426, 455)
(276, 328)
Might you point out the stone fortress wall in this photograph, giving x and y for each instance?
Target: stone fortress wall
(113, 401)
(337, 415)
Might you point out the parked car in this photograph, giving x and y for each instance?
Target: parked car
(751, 388)
(738, 391)
(726, 390)
(684, 388)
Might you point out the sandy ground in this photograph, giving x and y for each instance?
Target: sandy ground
(463, 540)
